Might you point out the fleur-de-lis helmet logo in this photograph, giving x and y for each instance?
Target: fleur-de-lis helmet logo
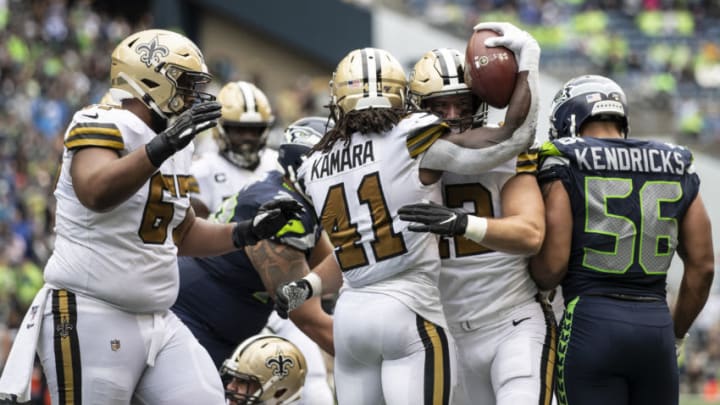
(280, 364)
(151, 52)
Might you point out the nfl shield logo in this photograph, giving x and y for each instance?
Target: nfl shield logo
(115, 345)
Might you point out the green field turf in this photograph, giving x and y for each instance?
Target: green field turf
(696, 400)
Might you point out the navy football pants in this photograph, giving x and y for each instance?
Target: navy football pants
(617, 352)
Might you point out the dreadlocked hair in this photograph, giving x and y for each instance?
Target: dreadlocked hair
(364, 121)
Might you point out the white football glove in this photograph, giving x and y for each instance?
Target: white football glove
(523, 45)
(289, 296)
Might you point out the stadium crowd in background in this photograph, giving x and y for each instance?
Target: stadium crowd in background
(53, 60)
(663, 51)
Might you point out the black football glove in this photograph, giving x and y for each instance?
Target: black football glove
(270, 218)
(182, 131)
(434, 218)
(289, 296)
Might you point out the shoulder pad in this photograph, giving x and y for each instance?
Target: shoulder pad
(93, 126)
(685, 154)
(193, 185)
(422, 130)
(552, 168)
(527, 162)
(548, 148)
(552, 161)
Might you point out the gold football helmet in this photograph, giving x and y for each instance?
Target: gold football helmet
(161, 68)
(244, 125)
(367, 78)
(440, 73)
(264, 369)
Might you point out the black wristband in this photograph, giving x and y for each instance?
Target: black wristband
(158, 151)
(242, 234)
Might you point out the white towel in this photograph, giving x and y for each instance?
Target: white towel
(158, 337)
(17, 375)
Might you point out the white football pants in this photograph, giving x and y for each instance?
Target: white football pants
(509, 360)
(387, 354)
(94, 353)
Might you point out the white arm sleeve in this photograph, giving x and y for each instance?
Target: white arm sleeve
(447, 156)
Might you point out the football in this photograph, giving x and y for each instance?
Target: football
(490, 72)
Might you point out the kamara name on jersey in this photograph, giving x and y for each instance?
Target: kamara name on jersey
(647, 160)
(343, 159)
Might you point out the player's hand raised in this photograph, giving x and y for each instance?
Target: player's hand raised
(525, 47)
(182, 131)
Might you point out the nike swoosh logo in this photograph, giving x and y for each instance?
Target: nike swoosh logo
(517, 322)
(452, 218)
(93, 116)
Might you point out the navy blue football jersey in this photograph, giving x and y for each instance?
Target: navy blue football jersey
(627, 196)
(224, 295)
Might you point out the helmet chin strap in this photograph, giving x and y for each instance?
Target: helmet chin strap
(293, 398)
(266, 386)
(145, 97)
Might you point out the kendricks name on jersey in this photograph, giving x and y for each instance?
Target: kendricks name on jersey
(648, 160)
(343, 159)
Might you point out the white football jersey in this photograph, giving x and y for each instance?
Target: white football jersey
(125, 256)
(218, 178)
(476, 282)
(357, 189)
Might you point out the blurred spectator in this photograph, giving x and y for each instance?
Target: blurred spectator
(707, 65)
(690, 121)
(50, 113)
(53, 59)
(7, 286)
